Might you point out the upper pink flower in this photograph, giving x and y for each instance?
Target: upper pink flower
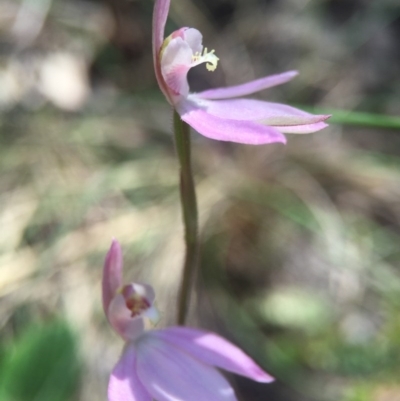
(172, 364)
(239, 120)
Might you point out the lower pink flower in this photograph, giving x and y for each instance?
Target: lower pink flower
(172, 364)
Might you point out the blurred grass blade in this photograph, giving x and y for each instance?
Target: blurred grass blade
(346, 117)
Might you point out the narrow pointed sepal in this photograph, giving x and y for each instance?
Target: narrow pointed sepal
(112, 274)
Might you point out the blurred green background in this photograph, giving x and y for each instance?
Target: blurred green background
(300, 243)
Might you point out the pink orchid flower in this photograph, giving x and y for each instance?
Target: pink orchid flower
(210, 112)
(172, 364)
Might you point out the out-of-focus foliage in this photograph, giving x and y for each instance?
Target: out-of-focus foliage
(40, 365)
(300, 256)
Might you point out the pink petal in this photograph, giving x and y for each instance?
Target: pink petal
(302, 129)
(124, 384)
(112, 274)
(229, 130)
(172, 375)
(282, 114)
(160, 15)
(273, 114)
(213, 350)
(119, 316)
(249, 87)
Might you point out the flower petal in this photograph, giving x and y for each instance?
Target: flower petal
(160, 16)
(214, 350)
(170, 374)
(249, 87)
(302, 129)
(112, 274)
(229, 130)
(273, 114)
(124, 384)
(282, 114)
(119, 316)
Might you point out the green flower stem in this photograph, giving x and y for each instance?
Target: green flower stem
(190, 216)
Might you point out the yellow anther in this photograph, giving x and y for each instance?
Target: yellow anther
(207, 57)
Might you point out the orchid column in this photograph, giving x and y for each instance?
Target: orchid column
(221, 114)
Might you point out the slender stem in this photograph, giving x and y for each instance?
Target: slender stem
(189, 214)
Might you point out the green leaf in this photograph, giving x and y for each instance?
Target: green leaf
(43, 365)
